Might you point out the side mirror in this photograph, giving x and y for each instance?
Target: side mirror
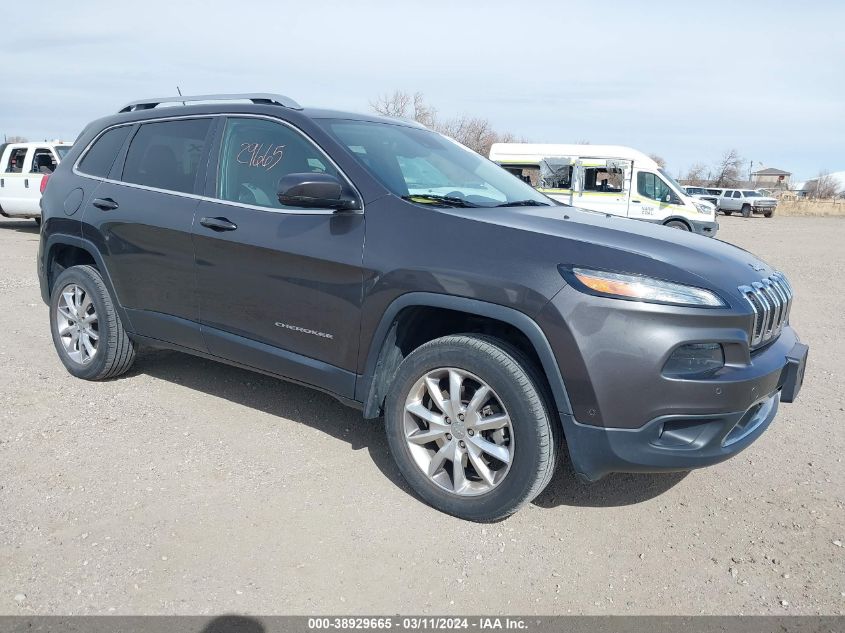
(315, 191)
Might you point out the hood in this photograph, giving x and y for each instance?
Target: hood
(577, 237)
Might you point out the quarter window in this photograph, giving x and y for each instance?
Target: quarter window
(650, 186)
(256, 153)
(167, 155)
(100, 158)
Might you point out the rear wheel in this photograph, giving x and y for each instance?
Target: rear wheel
(87, 332)
(727, 212)
(469, 428)
(678, 224)
(746, 210)
(37, 221)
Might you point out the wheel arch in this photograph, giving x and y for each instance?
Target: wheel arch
(386, 351)
(62, 251)
(677, 218)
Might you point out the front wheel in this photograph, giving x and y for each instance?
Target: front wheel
(678, 224)
(469, 427)
(746, 211)
(87, 332)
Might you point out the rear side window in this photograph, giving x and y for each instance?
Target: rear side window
(167, 155)
(99, 159)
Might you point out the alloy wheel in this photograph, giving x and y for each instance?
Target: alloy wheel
(77, 324)
(458, 432)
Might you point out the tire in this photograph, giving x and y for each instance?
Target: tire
(746, 211)
(114, 351)
(517, 393)
(727, 212)
(37, 221)
(677, 224)
(768, 214)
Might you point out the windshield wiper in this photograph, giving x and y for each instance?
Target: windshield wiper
(524, 203)
(447, 200)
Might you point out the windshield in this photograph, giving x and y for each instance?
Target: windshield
(752, 194)
(62, 150)
(672, 181)
(428, 168)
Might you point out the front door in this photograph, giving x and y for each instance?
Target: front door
(14, 181)
(279, 287)
(141, 219)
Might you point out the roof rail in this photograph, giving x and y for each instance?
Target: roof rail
(256, 97)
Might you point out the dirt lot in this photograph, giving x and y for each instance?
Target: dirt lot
(191, 487)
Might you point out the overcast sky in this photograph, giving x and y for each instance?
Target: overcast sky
(682, 80)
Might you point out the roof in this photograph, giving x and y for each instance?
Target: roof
(771, 171)
(534, 152)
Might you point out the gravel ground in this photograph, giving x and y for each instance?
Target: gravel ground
(192, 487)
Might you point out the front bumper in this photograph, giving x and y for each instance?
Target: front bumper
(705, 228)
(684, 442)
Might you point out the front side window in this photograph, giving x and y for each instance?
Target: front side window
(256, 153)
(167, 155)
(651, 186)
(98, 160)
(427, 168)
(16, 159)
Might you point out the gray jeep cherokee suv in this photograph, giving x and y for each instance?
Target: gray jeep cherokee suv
(400, 272)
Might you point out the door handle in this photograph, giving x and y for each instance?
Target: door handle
(106, 204)
(218, 224)
(26, 183)
(635, 201)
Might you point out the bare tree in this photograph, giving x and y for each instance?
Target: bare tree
(697, 175)
(396, 105)
(16, 139)
(822, 186)
(476, 133)
(659, 160)
(728, 170)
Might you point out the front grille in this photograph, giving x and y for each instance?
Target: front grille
(771, 301)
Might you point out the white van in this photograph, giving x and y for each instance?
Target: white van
(23, 168)
(607, 178)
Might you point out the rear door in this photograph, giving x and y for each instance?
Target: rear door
(603, 185)
(40, 162)
(280, 287)
(141, 217)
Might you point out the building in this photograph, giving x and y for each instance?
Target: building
(770, 178)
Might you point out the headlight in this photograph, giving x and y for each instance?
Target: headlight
(702, 208)
(640, 288)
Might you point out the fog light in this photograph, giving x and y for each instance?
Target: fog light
(696, 360)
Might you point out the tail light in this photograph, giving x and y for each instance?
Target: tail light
(44, 180)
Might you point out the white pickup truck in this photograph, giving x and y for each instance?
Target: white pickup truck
(746, 201)
(23, 167)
